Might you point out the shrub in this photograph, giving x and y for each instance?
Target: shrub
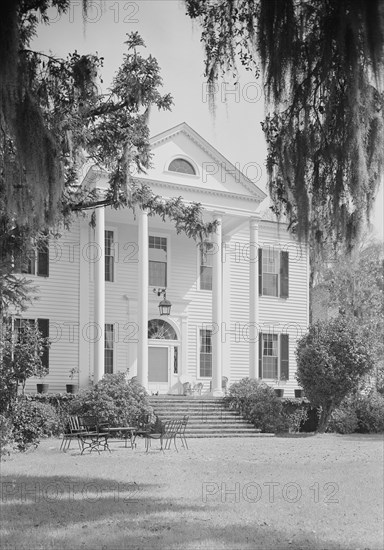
(31, 420)
(332, 358)
(369, 410)
(112, 400)
(296, 419)
(6, 437)
(258, 403)
(343, 419)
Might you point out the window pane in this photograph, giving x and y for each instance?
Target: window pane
(206, 353)
(270, 283)
(270, 356)
(270, 262)
(109, 256)
(206, 266)
(161, 330)
(157, 275)
(205, 277)
(108, 349)
(182, 166)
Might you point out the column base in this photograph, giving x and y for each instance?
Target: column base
(217, 393)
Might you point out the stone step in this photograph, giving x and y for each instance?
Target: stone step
(208, 417)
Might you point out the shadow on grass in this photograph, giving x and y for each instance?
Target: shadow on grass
(362, 437)
(298, 435)
(58, 512)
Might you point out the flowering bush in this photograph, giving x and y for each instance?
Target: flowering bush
(112, 400)
(31, 420)
(363, 413)
(257, 403)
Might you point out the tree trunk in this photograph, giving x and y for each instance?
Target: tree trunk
(324, 418)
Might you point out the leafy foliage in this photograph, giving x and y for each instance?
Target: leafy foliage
(331, 360)
(323, 66)
(31, 420)
(6, 437)
(257, 403)
(343, 420)
(55, 119)
(355, 287)
(361, 412)
(112, 400)
(21, 354)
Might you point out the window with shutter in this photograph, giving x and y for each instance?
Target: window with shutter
(273, 273)
(274, 356)
(35, 262)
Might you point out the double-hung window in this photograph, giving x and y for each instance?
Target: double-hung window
(274, 356)
(35, 262)
(273, 272)
(109, 256)
(157, 254)
(108, 348)
(205, 353)
(206, 266)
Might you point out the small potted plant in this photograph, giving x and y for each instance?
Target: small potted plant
(299, 393)
(72, 388)
(41, 387)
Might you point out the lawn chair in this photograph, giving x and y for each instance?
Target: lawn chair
(181, 432)
(167, 432)
(72, 430)
(143, 426)
(197, 388)
(94, 435)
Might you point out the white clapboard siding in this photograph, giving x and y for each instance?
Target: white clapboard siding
(58, 301)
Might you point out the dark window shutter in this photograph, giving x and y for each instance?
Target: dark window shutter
(43, 326)
(260, 355)
(43, 260)
(284, 356)
(284, 274)
(260, 271)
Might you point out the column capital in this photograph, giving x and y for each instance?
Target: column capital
(218, 215)
(254, 221)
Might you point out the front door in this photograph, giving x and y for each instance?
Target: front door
(158, 369)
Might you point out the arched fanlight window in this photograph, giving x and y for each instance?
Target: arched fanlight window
(182, 166)
(161, 330)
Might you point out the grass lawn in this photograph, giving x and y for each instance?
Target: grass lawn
(323, 491)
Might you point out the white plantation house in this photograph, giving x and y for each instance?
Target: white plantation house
(238, 304)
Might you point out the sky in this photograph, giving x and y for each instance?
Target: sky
(174, 40)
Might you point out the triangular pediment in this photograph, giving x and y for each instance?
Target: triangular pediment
(213, 172)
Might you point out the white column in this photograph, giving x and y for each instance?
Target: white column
(253, 298)
(142, 350)
(84, 313)
(99, 295)
(217, 308)
(226, 313)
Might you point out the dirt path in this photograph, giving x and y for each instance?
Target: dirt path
(312, 492)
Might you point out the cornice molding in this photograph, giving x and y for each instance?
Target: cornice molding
(184, 128)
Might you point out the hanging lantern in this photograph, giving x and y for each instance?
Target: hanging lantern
(165, 305)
